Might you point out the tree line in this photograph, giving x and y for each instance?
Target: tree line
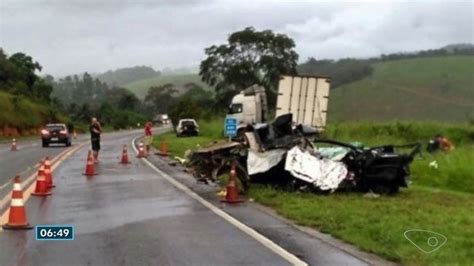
(81, 97)
(189, 101)
(123, 76)
(454, 49)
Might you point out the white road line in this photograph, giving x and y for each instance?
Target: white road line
(249, 231)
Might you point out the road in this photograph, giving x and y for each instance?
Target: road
(25, 159)
(135, 215)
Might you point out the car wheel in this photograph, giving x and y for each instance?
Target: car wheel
(45, 144)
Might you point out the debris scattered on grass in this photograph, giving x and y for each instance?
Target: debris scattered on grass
(434, 164)
(371, 195)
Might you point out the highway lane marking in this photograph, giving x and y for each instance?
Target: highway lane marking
(24, 183)
(230, 219)
(28, 184)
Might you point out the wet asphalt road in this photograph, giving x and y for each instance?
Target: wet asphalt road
(24, 160)
(127, 215)
(28, 154)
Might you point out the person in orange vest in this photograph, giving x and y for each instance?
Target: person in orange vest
(440, 142)
(148, 136)
(446, 144)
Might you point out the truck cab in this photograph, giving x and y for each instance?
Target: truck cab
(249, 107)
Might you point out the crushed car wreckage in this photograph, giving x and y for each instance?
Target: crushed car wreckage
(297, 158)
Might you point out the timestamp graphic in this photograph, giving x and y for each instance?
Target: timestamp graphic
(54, 232)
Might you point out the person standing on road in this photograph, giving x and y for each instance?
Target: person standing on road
(95, 130)
(148, 136)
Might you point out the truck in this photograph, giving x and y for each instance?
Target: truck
(161, 119)
(306, 97)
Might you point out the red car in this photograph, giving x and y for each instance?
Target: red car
(55, 133)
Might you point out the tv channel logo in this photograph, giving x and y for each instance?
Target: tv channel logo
(424, 240)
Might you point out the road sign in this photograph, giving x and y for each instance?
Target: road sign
(230, 126)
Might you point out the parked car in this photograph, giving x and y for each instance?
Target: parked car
(187, 127)
(55, 133)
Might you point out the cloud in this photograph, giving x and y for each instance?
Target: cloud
(97, 35)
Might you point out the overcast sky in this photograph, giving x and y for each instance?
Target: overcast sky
(74, 36)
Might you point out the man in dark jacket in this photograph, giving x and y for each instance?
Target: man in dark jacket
(95, 130)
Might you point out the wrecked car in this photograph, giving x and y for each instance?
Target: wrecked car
(282, 154)
(382, 169)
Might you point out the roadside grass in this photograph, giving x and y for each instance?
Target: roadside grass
(377, 224)
(439, 200)
(399, 132)
(210, 131)
(455, 170)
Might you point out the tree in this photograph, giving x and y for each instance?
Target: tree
(161, 98)
(197, 94)
(42, 90)
(185, 107)
(17, 76)
(26, 68)
(249, 57)
(7, 72)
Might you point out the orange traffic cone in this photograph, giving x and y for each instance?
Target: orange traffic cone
(232, 193)
(163, 148)
(124, 155)
(17, 215)
(47, 173)
(141, 150)
(90, 167)
(14, 147)
(41, 188)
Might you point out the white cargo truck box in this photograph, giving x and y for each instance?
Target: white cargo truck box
(306, 97)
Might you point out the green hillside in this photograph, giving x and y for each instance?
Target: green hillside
(20, 115)
(438, 88)
(140, 87)
(122, 76)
